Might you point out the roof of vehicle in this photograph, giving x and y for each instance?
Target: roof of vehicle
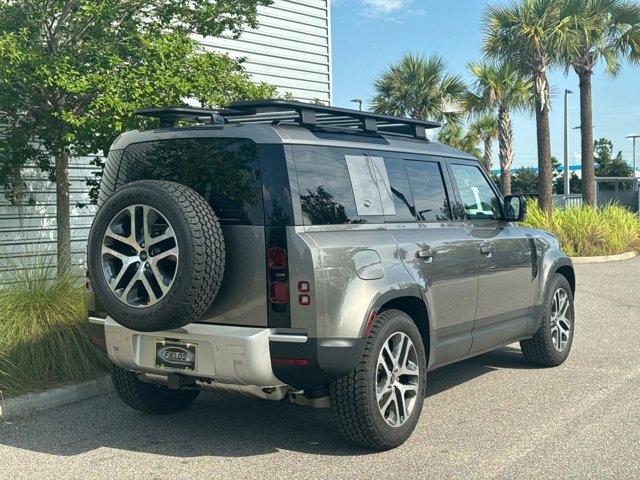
(279, 121)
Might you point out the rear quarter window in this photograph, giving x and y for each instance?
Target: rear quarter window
(225, 172)
(326, 188)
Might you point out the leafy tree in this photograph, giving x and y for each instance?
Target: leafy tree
(421, 88)
(503, 88)
(575, 184)
(608, 165)
(607, 31)
(525, 180)
(73, 72)
(530, 33)
(486, 129)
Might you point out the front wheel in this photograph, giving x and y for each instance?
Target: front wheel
(378, 405)
(551, 344)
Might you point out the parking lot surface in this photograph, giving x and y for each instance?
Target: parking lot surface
(493, 416)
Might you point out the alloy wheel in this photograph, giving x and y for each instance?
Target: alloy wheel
(139, 256)
(560, 321)
(397, 379)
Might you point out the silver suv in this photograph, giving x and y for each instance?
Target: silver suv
(329, 256)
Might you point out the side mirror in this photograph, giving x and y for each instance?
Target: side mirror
(515, 208)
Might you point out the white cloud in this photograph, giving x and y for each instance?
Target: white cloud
(377, 7)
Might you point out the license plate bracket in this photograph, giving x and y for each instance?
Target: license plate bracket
(175, 354)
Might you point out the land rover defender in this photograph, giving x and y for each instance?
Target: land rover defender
(329, 256)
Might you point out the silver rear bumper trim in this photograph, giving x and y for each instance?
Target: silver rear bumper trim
(224, 354)
(288, 338)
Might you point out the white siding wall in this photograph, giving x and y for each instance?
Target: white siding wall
(290, 49)
(28, 232)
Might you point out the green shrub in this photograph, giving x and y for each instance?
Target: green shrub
(588, 231)
(42, 333)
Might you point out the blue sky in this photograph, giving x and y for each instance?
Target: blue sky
(368, 35)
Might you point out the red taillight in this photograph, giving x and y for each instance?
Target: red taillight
(290, 362)
(278, 293)
(304, 287)
(277, 258)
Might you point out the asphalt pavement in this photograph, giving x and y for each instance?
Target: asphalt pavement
(493, 416)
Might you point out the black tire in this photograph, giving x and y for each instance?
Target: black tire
(200, 267)
(353, 397)
(540, 350)
(148, 397)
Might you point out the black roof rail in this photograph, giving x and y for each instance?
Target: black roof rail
(305, 114)
(168, 116)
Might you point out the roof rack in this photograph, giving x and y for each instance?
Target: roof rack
(305, 114)
(168, 116)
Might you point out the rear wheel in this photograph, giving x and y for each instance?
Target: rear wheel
(148, 397)
(378, 405)
(551, 344)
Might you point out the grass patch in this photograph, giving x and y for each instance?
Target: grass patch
(588, 231)
(43, 341)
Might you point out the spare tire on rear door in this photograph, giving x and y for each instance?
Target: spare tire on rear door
(156, 255)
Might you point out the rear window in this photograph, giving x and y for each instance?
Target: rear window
(225, 171)
(429, 194)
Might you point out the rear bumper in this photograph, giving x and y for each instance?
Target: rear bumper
(226, 354)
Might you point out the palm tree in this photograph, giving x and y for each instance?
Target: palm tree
(530, 33)
(485, 127)
(608, 31)
(421, 88)
(457, 136)
(501, 87)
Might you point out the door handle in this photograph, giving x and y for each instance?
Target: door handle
(425, 255)
(486, 249)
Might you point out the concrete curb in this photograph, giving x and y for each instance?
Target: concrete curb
(11, 408)
(605, 258)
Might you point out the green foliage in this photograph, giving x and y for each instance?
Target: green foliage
(524, 180)
(605, 31)
(498, 85)
(606, 164)
(73, 71)
(42, 337)
(421, 88)
(588, 231)
(457, 136)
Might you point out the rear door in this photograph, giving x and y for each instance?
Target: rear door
(436, 249)
(504, 259)
(226, 172)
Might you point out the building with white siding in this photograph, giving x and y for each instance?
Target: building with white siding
(291, 49)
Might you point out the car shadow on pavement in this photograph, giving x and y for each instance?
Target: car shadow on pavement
(215, 425)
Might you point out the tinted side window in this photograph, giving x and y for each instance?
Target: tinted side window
(429, 194)
(326, 193)
(478, 198)
(400, 191)
(224, 171)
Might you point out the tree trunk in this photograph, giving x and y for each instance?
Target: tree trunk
(63, 224)
(488, 153)
(586, 139)
(505, 141)
(545, 178)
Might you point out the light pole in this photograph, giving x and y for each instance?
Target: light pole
(633, 137)
(359, 102)
(567, 190)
